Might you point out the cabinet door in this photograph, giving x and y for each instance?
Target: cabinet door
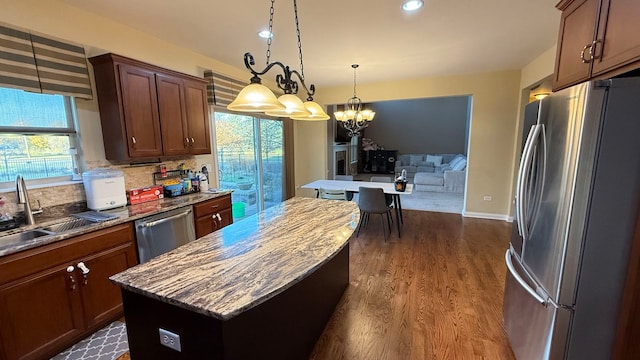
(140, 109)
(577, 30)
(100, 297)
(39, 313)
(618, 40)
(173, 115)
(205, 225)
(227, 218)
(197, 117)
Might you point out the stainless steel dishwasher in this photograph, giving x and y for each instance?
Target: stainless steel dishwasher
(164, 232)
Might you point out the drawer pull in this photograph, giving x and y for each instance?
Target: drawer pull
(584, 49)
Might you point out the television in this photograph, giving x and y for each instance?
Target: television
(341, 135)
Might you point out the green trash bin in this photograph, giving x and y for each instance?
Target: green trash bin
(237, 209)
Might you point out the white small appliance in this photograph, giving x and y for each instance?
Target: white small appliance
(104, 188)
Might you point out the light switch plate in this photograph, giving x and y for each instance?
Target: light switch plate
(170, 340)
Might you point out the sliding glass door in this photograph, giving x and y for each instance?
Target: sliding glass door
(250, 161)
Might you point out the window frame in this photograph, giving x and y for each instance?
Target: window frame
(74, 144)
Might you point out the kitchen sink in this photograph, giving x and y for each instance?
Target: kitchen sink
(10, 240)
(68, 225)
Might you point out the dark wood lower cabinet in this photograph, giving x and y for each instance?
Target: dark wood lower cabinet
(38, 312)
(212, 215)
(47, 303)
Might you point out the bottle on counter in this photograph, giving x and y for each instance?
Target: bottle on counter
(204, 182)
(195, 184)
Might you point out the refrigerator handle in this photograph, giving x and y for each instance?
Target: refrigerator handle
(525, 165)
(520, 280)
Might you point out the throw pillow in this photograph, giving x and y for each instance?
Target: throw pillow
(413, 159)
(436, 160)
(425, 163)
(453, 161)
(460, 165)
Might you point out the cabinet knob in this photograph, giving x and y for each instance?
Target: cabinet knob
(85, 272)
(218, 216)
(193, 141)
(582, 53)
(72, 279)
(133, 140)
(186, 141)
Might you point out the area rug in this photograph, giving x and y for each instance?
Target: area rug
(105, 344)
(433, 201)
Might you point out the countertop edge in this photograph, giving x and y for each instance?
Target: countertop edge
(231, 314)
(162, 205)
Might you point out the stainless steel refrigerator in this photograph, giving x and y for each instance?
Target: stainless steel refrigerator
(577, 200)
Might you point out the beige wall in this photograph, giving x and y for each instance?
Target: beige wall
(100, 35)
(495, 98)
(494, 117)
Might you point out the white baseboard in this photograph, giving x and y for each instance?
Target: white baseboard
(489, 216)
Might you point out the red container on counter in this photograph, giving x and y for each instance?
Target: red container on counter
(140, 195)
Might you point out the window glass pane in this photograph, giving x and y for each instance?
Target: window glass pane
(34, 156)
(24, 109)
(272, 140)
(236, 159)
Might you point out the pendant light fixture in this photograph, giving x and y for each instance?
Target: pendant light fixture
(353, 118)
(256, 97)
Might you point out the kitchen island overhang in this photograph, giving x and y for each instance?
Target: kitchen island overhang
(262, 287)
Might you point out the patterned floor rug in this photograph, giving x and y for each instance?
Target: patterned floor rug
(106, 344)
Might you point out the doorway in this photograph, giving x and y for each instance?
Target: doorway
(250, 154)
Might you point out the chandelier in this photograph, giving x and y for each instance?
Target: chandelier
(354, 118)
(256, 97)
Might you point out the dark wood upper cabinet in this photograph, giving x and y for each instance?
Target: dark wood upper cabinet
(173, 115)
(619, 29)
(140, 108)
(597, 39)
(197, 117)
(149, 112)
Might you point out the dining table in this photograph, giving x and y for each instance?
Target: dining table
(354, 186)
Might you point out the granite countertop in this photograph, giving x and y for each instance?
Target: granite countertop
(124, 214)
(248, 262)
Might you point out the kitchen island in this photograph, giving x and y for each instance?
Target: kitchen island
(263, 287)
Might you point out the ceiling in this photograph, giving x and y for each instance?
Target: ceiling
(444, 37)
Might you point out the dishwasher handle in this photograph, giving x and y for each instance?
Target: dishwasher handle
(158, 222)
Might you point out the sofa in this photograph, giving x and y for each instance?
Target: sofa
(434, 172)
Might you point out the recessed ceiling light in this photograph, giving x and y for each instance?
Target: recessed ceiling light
(265, 34)
(412, 5)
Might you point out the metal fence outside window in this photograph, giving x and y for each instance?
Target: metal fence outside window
(35, 168)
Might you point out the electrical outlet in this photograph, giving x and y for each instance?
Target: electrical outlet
(487, 198)
(170, 340)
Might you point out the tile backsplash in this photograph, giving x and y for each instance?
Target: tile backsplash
(135, 176)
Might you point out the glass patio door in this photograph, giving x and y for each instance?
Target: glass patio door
(250, 161)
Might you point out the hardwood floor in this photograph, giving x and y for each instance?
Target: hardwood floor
(435, 293)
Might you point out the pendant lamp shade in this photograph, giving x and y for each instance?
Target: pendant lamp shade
(293, 107)
(315, 112)
(255, 98)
